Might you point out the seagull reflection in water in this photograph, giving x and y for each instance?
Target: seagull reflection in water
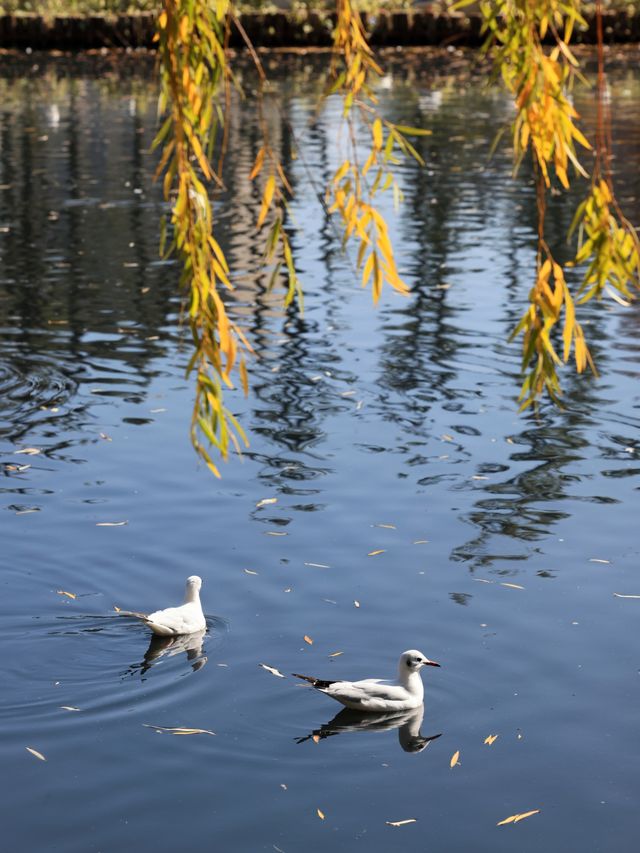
(407, 722)
(191, 644)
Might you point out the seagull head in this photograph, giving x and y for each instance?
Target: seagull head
(194, 582)
(413, 661)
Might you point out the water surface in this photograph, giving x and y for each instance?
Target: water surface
(502, 537)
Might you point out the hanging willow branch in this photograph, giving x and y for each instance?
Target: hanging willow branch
(194, 68)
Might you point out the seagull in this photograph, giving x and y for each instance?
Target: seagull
(173, 621)
(380, 695)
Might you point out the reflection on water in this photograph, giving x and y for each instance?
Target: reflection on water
(408, 724)
(409, 505)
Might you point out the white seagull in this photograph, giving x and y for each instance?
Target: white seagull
(377, 694)
(173, 621)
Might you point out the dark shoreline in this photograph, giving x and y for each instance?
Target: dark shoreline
(279, 29)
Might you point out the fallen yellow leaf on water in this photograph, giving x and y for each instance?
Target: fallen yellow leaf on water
(178, 730)
(68, 594)
(308, 640)
(446, 437)
(266, 502)
(375, 553)
(517, 817)
(272, 670)
(454, 758)
(400, 822)
(512, 585)
(315, 738)
(335, 654)
(491, 739)
(320, 814)
(36, 753)
(117, 609)
(30, 451)
(318, 565)
(111, 523)
(69, 708)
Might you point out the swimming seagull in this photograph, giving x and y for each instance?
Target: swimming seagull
(376, 694)
(173, 621)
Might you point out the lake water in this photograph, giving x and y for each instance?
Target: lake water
(502, 538)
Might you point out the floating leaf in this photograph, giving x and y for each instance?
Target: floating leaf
(68, 594)
(111, 523)
(512, 585)
(596, 560)
(335, 654)
(29, 451)
(266, 502)
(375, 553)
(454, 758)
(318, 565)
(320, 814)
(69, 708)
(315, 738)
(515, 818)
(491, 739)
(386, 526)
(620, 595)
(250, 572)
(178, 730)
(446, 437)
(308, 640)
(356, 603)
(400, 822)
(420, 541)
(272, 670)
(275, 533)
(36, 753)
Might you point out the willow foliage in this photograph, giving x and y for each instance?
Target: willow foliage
(196, 78)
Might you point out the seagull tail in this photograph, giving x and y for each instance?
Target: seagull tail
(317, 682)
(143, 616)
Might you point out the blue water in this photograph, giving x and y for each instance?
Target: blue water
(392, 429)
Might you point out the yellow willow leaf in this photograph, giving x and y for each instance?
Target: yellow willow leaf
(342, 171)
(400, 822)
(68, 594)
(257, 166)
(454, 758)
(267, 198)
(375, 553)
(377, 279)
(561, 172)
(244, 378)
(490, 739)
(515, 818)
(162, 20)
(184, 29)
(337, 654)
(512, 585)
(376, 132)
(308, 640)
(36, 753)
(368, 267)
(320, 814)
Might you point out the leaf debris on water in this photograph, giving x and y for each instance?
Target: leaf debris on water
(454, 758)
(320, 814)
(335, 654)
(308, 640)
(515, 818)
(446, 437)
(178, 730)
(511, 585)
(420, 541)
(272, 670)
(491, 739)
(621, 595)
(111, 523)
(356, 603)
(386, 526)
(318, 565)
(275, 533)
(400, 822)
(250, 572)
(266, 502)
(29, 451)
(69, 708)
(375, 553)
(597, 560)
(36, 753)
(68, 594)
